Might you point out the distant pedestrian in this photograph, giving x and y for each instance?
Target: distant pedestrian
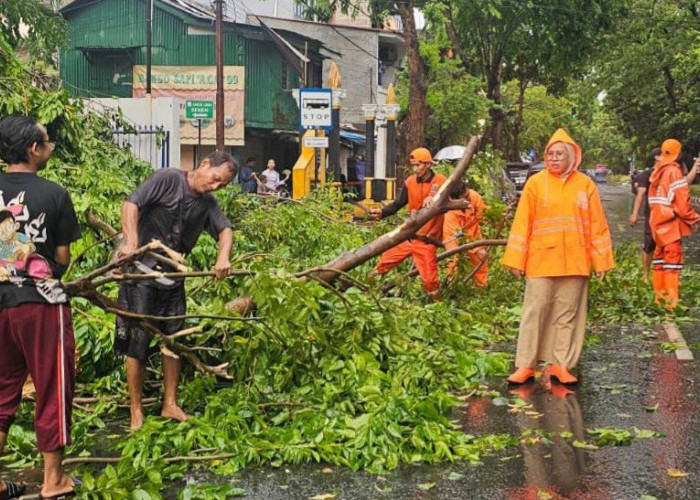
(641, 201)
(246, 176)
(37, 226)
(272, 177)
(671, 218)
(559, 232)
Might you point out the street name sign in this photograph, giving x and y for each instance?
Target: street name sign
(199, 110)
(316, 142)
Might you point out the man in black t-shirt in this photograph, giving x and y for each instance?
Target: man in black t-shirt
(174, 207)
(37, 226)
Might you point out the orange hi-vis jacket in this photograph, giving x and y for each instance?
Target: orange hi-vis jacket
(560, 227)
(670, 211)
(414, 193)
(465, 220)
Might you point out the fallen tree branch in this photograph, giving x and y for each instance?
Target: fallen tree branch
(185, 332)
(170, 460)
(129, 314)
(108, 304)
(74, 287)
(152, 276)
(445, 255)
(469, 246)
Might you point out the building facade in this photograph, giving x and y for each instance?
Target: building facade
(107, 49)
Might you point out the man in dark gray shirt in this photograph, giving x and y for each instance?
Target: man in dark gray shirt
(174, 207)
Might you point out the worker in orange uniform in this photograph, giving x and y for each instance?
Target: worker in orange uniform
(418, 192)
(466, 222)
(671, 218)
(559, 232)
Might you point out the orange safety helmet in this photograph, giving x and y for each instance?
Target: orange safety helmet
(421, 155)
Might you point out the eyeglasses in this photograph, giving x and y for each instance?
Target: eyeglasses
(557, 155)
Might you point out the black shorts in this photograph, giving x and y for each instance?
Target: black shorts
(649, 245)
(131, 340)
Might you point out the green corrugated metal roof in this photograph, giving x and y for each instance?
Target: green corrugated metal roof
(107, 37)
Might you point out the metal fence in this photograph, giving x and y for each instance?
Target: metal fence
(149, 143)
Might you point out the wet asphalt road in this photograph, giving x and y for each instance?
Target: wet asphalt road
(626, 382)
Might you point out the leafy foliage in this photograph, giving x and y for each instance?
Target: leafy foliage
(360, 380)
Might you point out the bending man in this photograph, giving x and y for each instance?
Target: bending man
(174, 207)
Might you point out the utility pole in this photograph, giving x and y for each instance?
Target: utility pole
(149, 63)
(149, 44)
(219, 76)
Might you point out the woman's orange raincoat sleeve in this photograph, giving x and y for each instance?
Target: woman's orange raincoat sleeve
(515, 255)
(601, 242)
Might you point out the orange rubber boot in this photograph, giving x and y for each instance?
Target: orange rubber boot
(521, 375)
(560, 391)
(562, 374)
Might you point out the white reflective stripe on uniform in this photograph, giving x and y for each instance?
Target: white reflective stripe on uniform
(673, 266)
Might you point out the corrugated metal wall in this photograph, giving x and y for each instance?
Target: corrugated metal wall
(267, 104)
(120, 24)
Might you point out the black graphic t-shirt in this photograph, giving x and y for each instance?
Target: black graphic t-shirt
(36, 217)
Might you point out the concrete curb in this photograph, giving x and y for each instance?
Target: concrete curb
(682, 351)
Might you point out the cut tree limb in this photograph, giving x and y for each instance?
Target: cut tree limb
(108, 304)
(349, 260)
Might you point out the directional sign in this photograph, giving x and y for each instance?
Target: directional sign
(199, 110)
(316, 142)
(315, 106)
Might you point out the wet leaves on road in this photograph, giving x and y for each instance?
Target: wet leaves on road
(652, 408)
(323, 496)
(584, 445)
(676, 473)
(621, 437)
(426, 486)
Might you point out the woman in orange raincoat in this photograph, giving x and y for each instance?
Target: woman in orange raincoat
(559, 232)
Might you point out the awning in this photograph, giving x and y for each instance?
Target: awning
(295, 58)
(357, 138)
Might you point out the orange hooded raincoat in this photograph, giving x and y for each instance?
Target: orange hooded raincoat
(560, 227)
(559, 232)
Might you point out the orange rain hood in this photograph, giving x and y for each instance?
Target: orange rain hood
(562, 136)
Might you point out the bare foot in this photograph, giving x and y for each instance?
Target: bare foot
(174, 412)
(64, 486)
(136, 420)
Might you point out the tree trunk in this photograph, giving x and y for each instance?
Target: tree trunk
(418, 86)
(350, 260)
(494, 74)
(454, 37)
(514, 154)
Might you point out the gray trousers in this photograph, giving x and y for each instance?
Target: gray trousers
(553, 322)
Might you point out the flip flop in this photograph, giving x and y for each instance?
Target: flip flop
(13, 490)
(77, 483)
